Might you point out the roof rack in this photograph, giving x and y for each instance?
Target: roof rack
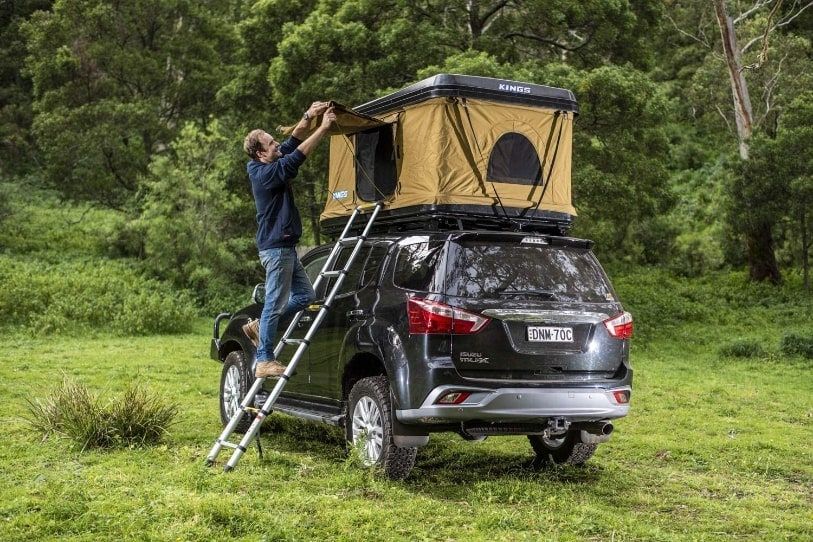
(459, 217)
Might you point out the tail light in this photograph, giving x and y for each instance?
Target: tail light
(620, 326)
(429, 317)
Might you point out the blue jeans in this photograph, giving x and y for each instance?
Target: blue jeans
(287, 290)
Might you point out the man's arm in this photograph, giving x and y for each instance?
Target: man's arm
(273, 176)
(301, 129)
(307, 146)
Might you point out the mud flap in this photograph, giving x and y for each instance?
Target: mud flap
(406, 436)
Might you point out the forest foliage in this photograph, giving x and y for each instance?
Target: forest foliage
(140, 108)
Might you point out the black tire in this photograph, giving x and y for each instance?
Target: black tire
(396, 462)
(568, 450)
(242, 370)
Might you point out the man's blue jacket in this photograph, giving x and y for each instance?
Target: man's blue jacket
(278, 221)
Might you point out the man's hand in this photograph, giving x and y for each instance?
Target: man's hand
(302, 128)
(307, 146)
(328, 119)
(317, 108)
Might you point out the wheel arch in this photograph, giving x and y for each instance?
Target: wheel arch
(228, 347)
(376, 345)
(361, 365)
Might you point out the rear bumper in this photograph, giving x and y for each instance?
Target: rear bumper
(518, 404)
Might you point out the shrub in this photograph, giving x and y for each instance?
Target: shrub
(661, 301)
(139, 416)
(135, 417)
(93, 294)
(793, 344)
(70, 410)
(743, 349)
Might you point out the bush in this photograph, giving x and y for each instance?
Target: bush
(797, 345)
(93, 294)
(743, 349)
(136, 417)
(661, 301)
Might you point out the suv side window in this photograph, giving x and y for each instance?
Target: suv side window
(416, 266)
(351, 280)
(377, 255)
(312, 270)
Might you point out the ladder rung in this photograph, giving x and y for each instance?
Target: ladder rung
(296, 341)
(347, 241)
(334, 273)
(228, 444)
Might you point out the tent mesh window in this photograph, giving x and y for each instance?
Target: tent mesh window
(376, 174)
(514, 160)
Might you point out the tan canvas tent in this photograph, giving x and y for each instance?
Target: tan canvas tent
(457, 148)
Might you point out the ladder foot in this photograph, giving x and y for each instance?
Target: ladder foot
(210, 462)
(228, 468)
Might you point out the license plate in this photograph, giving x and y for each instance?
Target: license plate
(546, 334)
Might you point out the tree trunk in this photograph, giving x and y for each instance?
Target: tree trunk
(475, 26)
(743, 113)
(761, 259)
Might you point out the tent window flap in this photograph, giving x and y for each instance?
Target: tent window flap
(514, 160)
(376, 172)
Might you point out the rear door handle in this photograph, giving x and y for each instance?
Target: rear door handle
(356, 314)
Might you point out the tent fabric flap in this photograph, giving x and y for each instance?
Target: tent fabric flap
(347, 122)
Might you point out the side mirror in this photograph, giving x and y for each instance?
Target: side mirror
(258, 295)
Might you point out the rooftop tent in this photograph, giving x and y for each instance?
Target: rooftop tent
(457, 147)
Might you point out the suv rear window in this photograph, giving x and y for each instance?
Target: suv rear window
(416, 266)
(504, 269)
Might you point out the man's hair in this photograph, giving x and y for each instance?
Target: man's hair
(252, 145)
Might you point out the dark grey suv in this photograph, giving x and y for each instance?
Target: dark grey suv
(475, 332)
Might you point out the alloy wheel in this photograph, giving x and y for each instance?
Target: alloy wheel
(231, 391)
(368, 427)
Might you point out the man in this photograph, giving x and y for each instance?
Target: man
(271, 168)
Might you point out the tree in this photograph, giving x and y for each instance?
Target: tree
(794, 142)
(194, 229)
(112, 83)
(15, 89)
(584, 34)
(761, 59)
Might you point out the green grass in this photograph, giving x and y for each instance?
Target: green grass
(714, 448)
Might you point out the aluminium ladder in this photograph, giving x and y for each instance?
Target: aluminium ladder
(344, 240)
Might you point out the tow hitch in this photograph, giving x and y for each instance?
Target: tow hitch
(556, 427)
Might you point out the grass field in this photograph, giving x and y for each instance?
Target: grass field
(713, 448)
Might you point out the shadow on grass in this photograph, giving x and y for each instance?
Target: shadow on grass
(441, 467)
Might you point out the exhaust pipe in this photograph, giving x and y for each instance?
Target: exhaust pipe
(596, 432)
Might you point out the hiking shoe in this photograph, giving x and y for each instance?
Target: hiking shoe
(269, 369)
(252, 331)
